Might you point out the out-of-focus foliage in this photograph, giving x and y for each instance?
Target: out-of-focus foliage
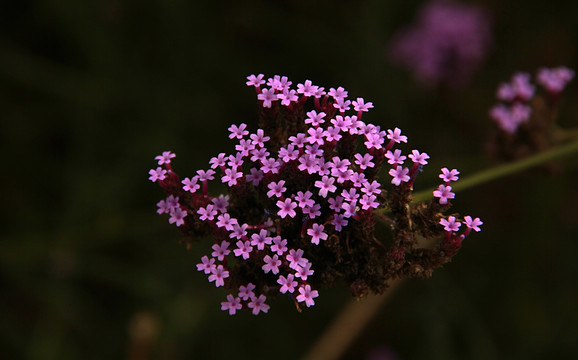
(91, 91)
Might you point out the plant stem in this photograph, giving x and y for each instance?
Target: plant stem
(504, 170)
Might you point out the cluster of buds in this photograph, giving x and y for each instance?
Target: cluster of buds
(523, 117)
(303, 202)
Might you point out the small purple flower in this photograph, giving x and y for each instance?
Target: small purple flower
(325, 185)
(191, 185)
(258, 305)
(220, 251)
(177, 216)
(218, 275)
(419, 158)
(267, 96)
(246, 292)
(286, 207)
(473, 224)
(287, 283)
(276, 188)
(306, 294)
(271, 264)
(165, 158)
(279, 245)
(207, 265)
(238, 131)
(449, 175)
(255, 81)
(450, 224)
(157, 174)
(260, 240)
(232, 304)
(444, 193)
(316, 233)
(399, 174)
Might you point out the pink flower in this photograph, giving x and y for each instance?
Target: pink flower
(260, 240)
(258, 305)
(419, 158)
(339, 222)
(279, 245)
(231, 176)
(165, 158)
(259, 139)
(325, 185)
(207, 213)
(304, 271)
(316, 233)
(364, 161)
(287, 97)
(473, 224)
(288, 153)
(221, 203)
(238, 131)
(449, 175)
(304, 199)
(232, 304)
(373, 188)
(271, 264)
(255, 81)
(399, 175)
(287, 283)
(361, 105)
(163, 207)
(295, 258)
(307, 89)
(207, 265)
(286, 207)
(444, 193)
(339, 93)
(267, 96)
(270, 166)
(218, 275)
(225, 220)
(315, 119)
(553, 80)
(246, 292)
(191, 185)
(395, 158)
(177, 216)
(450, 224)
(369, 201)
(307, 295)
(255, 176)
(243, 249)
(276, 188)
(218, 161)
(157, 174)
(395, 135)
(220, 251)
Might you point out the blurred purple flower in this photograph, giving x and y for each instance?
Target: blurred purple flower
(446, 43)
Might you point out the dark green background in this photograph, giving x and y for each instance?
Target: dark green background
(91, 91)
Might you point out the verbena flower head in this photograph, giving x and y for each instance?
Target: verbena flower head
(525, 112)
(447, 43)
(303, 199)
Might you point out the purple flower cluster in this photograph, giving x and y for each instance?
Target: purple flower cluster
(518, 93)
(446, 44)
(296, 199)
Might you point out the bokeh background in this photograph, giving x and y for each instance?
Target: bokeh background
(91, 91)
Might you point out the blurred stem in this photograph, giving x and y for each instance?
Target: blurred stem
(357, 313)
(505, 170)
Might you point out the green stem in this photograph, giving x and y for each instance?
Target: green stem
(504, 170)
